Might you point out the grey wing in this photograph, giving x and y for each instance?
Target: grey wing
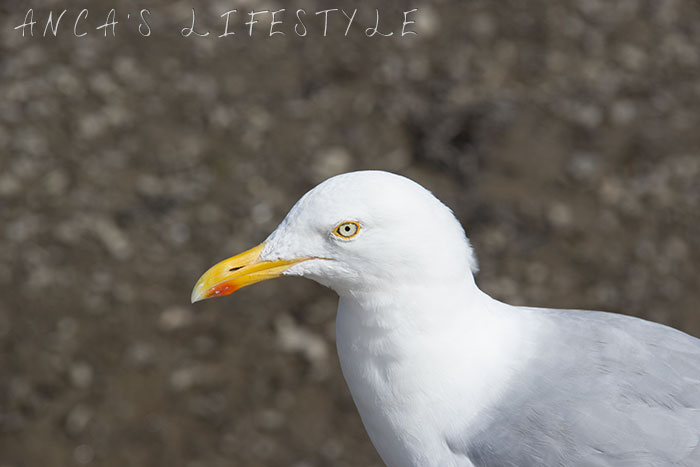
(605, 390)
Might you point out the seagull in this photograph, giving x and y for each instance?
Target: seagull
(444, 375)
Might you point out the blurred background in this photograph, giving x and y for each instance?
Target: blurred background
(563, 134)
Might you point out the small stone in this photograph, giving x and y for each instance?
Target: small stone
(296, 339)
(67, 328)
(270, 419)
(9, 185)
(112, 237)
(623, 112)
(332, 449)
(78, 419)
(676, 249)
(331, 162)
(81, 375)
(103, 84)
(589, 116)
(264, 447)
(126, 67)
(208, 407)
(559, 215)
(612, 191)
(149, 185)
(183, 379)
(427, 21)
(92, 125)
(261, 213)
(141, 354)
(583, 165)
(175, 318)
(632, 57)
(23, 229)
(482, 25)
(83, 454)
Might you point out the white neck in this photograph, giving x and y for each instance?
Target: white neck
(407, 355)
(392, 305)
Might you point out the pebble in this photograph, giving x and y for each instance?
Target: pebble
(560, 215)
(83, 454)
(175, 318)
(332, 161)
(81, 375)
(78, 419)
(296, 339)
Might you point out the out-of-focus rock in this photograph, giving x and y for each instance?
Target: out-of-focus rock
(270, 419)
(559, 215)
(295, 339)
(141, 354)
(427, 21)
(81, 375)
(112, 237)
(83, 454)
(331, 162)
(175, 318)
(78, 419)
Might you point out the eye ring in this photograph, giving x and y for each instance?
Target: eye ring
(347, 230)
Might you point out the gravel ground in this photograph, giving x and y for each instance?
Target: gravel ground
(564, 135)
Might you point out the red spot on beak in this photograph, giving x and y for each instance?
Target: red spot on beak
(221, 290)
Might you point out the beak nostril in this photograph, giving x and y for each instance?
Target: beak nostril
(235, 269)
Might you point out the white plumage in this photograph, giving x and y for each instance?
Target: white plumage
(443, 375)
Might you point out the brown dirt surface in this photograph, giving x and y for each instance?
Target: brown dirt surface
(563, 134)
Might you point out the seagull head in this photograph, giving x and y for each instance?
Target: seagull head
(353, 233)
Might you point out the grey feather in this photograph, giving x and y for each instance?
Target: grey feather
(604, 390)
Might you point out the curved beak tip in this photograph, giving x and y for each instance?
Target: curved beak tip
(197, 294)
(200, 291)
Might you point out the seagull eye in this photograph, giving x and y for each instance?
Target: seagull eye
(347, 229)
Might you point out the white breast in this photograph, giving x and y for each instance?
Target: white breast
(419, 372)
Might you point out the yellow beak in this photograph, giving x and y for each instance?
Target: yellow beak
(237, 272)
